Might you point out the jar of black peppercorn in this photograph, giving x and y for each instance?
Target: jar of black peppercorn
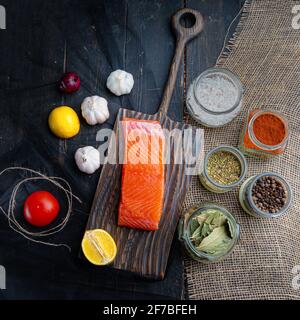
(267, 195)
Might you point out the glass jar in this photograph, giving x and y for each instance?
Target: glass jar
(212, 185)
(184, 232)
(249, 143)
(247, 203)
(219, 84)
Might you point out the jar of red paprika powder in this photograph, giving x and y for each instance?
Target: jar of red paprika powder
(265, 134)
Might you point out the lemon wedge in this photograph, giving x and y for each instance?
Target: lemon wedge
(99, 247)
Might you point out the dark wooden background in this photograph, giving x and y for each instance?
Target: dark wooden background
(91, 37)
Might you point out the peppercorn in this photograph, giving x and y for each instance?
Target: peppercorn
(269, 194)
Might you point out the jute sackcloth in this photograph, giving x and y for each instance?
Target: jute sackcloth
(265, 54)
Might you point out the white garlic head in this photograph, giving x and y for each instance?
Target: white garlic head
(120, 82)
(94, 110)
(87, 159)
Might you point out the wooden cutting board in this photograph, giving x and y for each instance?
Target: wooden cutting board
(146, 252)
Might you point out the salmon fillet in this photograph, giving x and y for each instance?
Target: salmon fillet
(143, 178)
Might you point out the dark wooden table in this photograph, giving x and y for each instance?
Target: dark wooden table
(91, 37)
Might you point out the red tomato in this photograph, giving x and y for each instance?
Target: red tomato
(41, 208)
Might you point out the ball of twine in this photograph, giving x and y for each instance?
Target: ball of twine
(61, 183)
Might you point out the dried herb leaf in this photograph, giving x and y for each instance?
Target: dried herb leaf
(212, 232)
(202, 217)
(231, 228)
(198, 241)
(216, 242)
(196, 234)
(210, 218)
(219, 220)
(194, 225)
(206, 230)
(214, 219)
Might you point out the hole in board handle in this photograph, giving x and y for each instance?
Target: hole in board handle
(187, 20)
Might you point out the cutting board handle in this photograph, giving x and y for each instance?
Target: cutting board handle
(183, 36)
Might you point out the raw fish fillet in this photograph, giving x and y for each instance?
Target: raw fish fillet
(142, 192)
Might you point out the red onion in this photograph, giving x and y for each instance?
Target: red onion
(70, 82)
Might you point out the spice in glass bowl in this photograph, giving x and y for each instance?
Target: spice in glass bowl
(224, 168)
(265, 134)
(208, 231)
(266, 195)
(269, 194)
(215, 97)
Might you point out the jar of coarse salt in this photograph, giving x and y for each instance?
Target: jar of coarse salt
(215, 97)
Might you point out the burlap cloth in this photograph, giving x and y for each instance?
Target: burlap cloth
(265, 54)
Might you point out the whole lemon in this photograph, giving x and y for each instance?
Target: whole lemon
(64, 122)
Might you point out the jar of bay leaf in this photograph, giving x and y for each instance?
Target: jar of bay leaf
(208, 232)
(225, 168)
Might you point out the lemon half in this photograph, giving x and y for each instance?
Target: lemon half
(99, 247)
(64, 122)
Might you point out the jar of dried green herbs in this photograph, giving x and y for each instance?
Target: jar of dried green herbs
(224, 168)
(209, 232)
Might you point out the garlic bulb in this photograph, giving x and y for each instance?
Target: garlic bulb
(120, 82)
(94, 110)
(87, 159)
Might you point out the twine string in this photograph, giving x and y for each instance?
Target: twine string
(227, 33)
(61, 183)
